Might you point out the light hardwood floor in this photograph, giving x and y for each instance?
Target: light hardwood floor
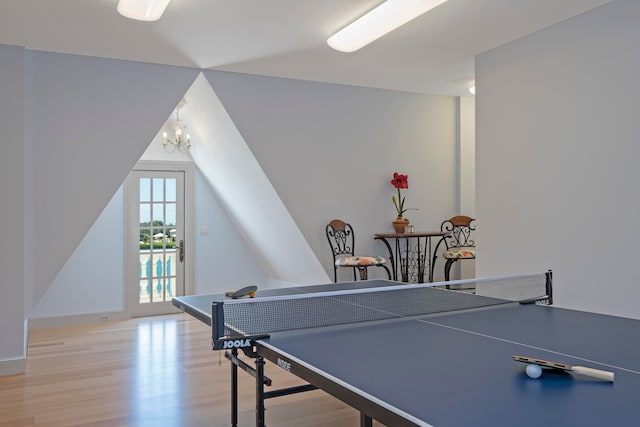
(147, 372)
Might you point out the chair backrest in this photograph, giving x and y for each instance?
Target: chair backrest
(459, 229)
(341, 238)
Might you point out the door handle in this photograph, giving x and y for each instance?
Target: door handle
(181, 251)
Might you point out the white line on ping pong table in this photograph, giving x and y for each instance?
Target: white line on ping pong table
(528, 346)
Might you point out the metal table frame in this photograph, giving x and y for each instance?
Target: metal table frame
(422, 252)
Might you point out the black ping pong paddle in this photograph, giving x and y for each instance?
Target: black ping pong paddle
(247, 290)
(582, 370)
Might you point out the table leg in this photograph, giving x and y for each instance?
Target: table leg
(392, 259)
(260, 421)
(365, 421)
(434, 257)
(404, 259)
(421, 259)
(234, 391)
(427, 259)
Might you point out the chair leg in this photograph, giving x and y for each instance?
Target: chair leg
(388, 271)
(447, 269)
(363, 273)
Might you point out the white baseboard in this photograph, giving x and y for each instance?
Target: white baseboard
(13, 367)
(74, 319)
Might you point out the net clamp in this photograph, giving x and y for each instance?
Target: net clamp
(242, 341)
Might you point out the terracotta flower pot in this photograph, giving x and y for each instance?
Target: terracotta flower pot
(400, 223)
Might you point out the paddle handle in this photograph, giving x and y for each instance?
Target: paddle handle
(593, 373)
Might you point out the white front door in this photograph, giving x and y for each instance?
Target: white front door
(156, 239)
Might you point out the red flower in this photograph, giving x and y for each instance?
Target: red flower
(400, 181)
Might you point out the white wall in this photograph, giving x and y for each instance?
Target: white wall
(240, 183)
(92, 280)
(223, 258)
(81, 125)
(330, 152)
(467, 156)
(89, 120)
(466, 175)
(12, 209)
(327, 150)
(223, 261)
(557, 158)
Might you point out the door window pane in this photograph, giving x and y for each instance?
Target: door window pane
(171, 214)
(158, 189)
(144, 296)
(169, 288)
(158, 238)
(157, 282)
(170, 194)
(158, 213)
(145, 213)
(145, 189)
(145, 265)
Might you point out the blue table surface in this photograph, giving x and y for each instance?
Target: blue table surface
(457, 369)
(450, 377)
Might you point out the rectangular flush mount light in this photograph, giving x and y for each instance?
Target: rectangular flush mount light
(142, 10)
(383, 19)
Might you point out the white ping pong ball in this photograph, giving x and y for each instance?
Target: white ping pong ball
(534, 371)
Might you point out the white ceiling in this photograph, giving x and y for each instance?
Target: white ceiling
(433, 54)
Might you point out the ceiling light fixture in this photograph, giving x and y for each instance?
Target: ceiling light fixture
(142, 10)
(178, 143)
(383, 19)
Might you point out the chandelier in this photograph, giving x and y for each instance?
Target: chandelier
(178, 143)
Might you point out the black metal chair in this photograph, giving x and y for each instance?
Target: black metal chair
(341, 239)
(458, 241)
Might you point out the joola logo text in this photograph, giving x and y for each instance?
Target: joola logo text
(284, 365)
(237, 344)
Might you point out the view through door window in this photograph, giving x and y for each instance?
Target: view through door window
(158, 240)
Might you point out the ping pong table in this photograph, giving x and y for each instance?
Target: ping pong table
(451, 366)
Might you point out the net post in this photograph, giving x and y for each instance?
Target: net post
(549, 286)
(217, 323)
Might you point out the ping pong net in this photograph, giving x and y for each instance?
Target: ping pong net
(237, 323)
